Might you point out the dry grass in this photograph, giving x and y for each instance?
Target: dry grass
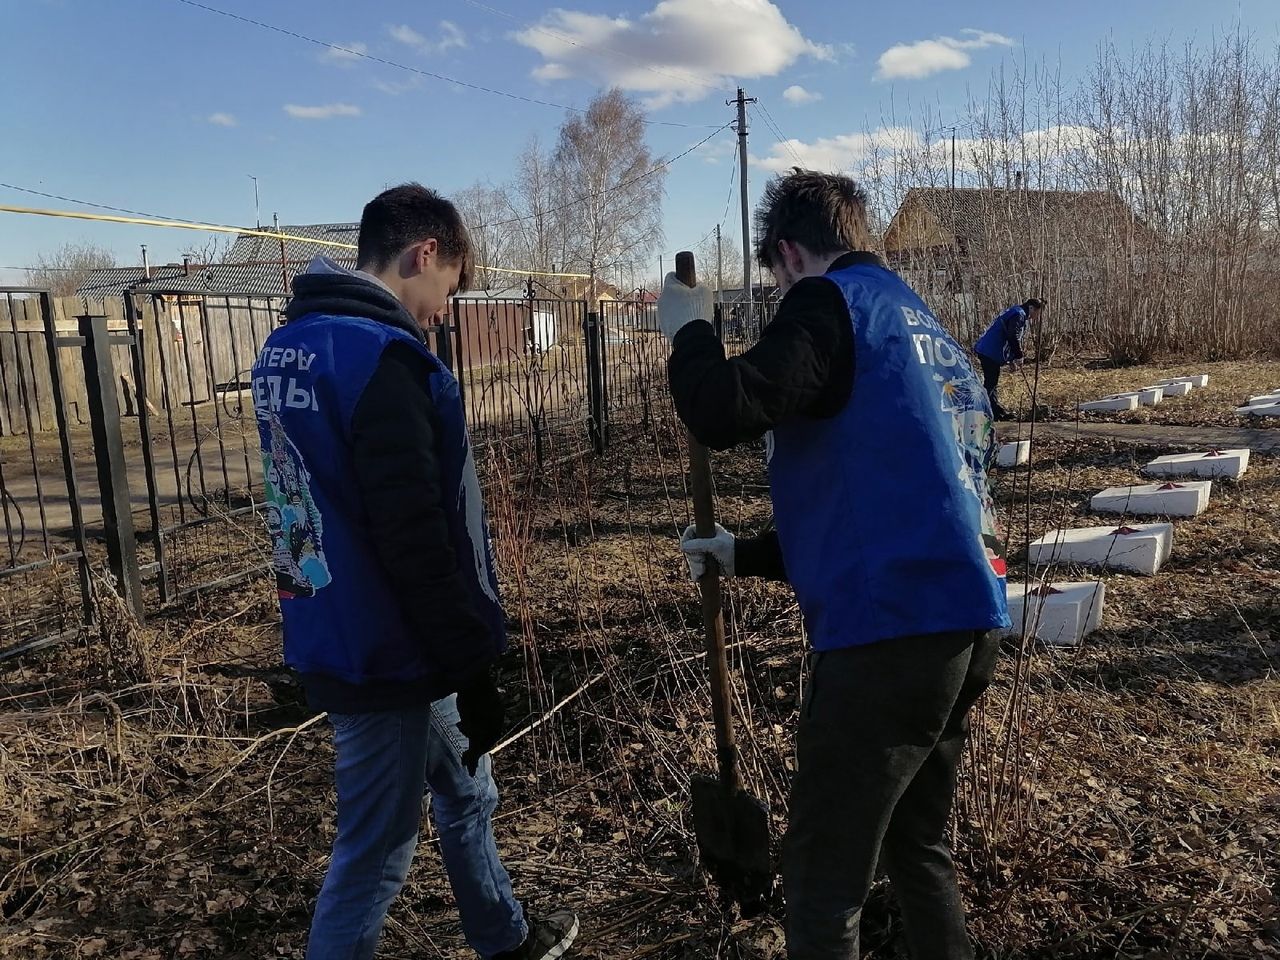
(1231, 383)
(188, 812)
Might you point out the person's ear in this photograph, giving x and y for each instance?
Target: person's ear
(421, 254)
(791, 257)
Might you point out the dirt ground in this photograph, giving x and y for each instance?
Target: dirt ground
(167, 794)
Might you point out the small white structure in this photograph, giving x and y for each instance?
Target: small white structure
(1216, 463)
(1263, 400)
(1014, 454)
(1128, 402)
(1140, 548)
(1199, 381)
(1059, 614)
(544, 330)
(1179, 389)
(1261, 410)
(1147, 397)
(1189, 499)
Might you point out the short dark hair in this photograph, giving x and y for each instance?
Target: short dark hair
(825, 212)
(408, 214)
(1035, 303)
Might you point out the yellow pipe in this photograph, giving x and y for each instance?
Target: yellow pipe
(240, 231)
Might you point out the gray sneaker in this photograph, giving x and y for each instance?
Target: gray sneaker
(549, 938)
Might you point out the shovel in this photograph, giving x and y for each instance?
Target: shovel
(731, 826)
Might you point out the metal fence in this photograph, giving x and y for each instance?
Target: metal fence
(163, 410)
(523, 367)
(198, 453)
(45, 588)
(635, 361)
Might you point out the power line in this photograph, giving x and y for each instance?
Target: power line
(777, 133)
(348, 51)
(733, 176)
(604, 51)
(600, 193)
(96, 206)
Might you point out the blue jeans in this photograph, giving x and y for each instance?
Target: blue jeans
(384, 762)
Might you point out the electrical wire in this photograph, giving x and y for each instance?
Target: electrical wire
(600, 193)
(777, 133)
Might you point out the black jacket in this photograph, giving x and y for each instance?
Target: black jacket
(802, 366)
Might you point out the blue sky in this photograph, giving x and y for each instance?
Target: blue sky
(157, 106)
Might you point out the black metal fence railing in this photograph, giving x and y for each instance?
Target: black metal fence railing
(635, 360)
(155, 389)
(523, 368)
(45, 587)
(199, 454)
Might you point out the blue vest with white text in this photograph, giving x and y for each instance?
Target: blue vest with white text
(883, 511)
(341, 617)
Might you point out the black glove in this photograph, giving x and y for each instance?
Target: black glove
(481, 715)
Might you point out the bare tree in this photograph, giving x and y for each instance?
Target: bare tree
(62, 271)
(613, 186)
(730, 257)
(537, 235)
(484, 207)
(213, 250)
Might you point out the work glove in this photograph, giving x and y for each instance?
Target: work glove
(698, 551)
(679, 305)
(481, 715)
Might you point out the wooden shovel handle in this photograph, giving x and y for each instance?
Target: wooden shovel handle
(704, 519)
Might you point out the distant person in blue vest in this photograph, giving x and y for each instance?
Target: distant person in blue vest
(1002, 344)
(386, 578)
(879, 438)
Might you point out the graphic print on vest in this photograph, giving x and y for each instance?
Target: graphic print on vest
(974, 432)
(293, 520)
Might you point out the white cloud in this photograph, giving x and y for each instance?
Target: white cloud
(681, 50)
(325, 111)
(345, 54)
(914, 61)
(452, 36)
(222, 119)
(843, 152)
(866, 152)
(719, 149)
(396, 87)
(449, 36)
(798, 95)
(552, 71)
(407, 35)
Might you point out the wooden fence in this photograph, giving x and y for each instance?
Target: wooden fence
(192, 348)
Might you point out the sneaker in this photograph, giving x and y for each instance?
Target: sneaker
(548, 939)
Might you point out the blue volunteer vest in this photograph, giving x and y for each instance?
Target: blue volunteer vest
(340, 616)
(885, 519)
(997, 342)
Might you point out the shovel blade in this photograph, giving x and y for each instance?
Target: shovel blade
(732, 828)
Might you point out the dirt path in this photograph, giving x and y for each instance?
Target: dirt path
(1157, 435)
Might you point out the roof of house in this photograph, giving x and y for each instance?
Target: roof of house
(111, 281)
(977, 217)
(253, 265)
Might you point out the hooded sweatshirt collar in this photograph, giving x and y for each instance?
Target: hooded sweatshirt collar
(330, 288)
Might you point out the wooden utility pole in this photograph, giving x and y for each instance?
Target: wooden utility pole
(742, 100)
